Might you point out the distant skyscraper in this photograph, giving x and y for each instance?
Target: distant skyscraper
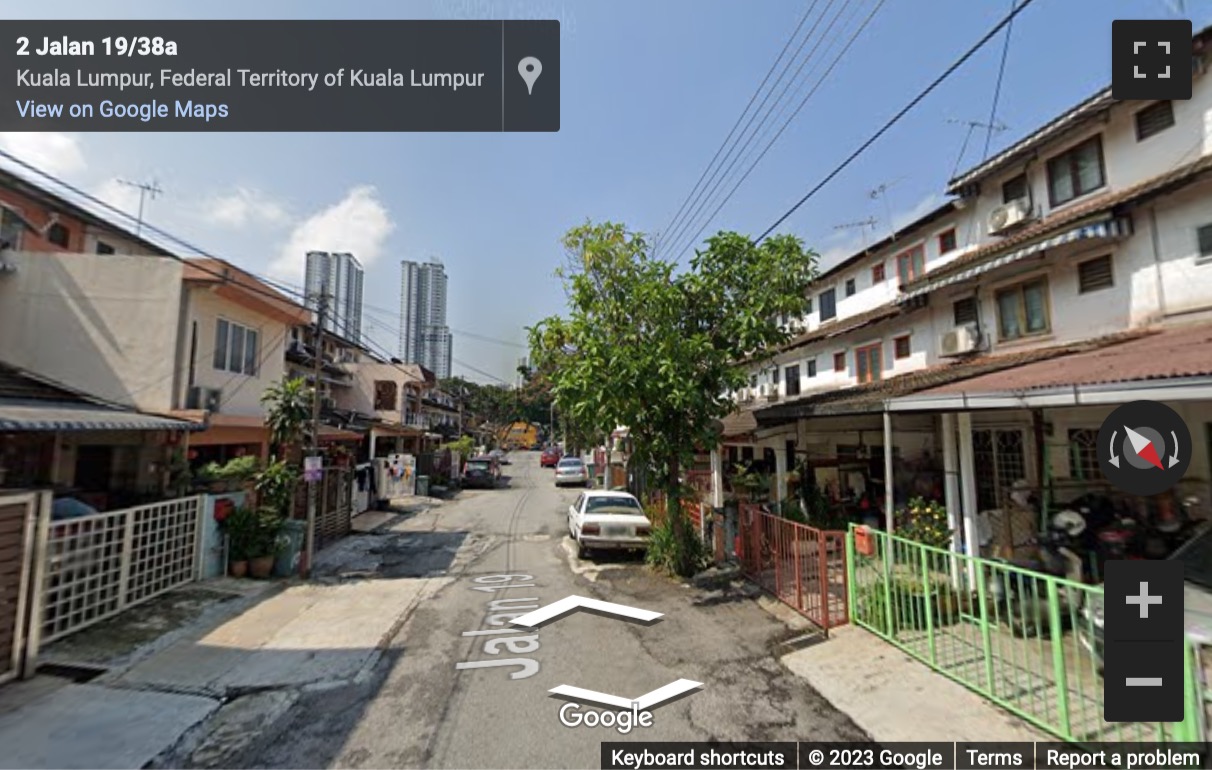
(340, 277)
(424, 336)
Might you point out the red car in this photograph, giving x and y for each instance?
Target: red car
(550, 457)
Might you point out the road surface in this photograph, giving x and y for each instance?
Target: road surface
(425, 707)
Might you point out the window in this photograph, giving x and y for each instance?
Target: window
(104, 248)
(900, 347)
(877, 273)
(964, 311)
(1204, 234)
(1076, 172)
(947, 241)
(58, 235)
(1083, 454)
(828, 304)
(1022, 310)
(235, 348)
(386, 395)
(910, 265)
(774, 377)
(812, 368)
(1094, 274)
(1015, 189)
(753, 381)
(1154, 119)
(850, 287)
(793, 380)
(839, 362)
(867, 363)
(808, 307)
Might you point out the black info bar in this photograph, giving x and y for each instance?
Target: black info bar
(786, 755)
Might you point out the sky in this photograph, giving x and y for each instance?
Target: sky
(649, 91)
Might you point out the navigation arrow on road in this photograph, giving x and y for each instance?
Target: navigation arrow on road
(570, 604)
(646, 702)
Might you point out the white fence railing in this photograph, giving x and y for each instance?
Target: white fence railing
(91, 568)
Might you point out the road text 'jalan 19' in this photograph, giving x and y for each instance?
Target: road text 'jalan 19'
(497, 639)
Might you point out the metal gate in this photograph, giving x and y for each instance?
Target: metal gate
(334, 509)
(19, 514)
(803, 566)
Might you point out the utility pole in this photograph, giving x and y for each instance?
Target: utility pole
(146, 189)
(317, 363)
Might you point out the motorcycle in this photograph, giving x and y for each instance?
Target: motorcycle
(1020, 599)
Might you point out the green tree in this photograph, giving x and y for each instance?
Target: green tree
(658, 350)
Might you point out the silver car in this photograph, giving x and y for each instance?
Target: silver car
(572, 471)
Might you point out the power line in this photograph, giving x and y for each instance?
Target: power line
(997, 89)
(849, 43)
(898, 116)
(661, 236)
(716, 181)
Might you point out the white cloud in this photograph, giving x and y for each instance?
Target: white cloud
(244, 207)
(54, 152)
(359, 224)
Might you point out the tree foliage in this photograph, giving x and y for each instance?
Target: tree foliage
(657, 350)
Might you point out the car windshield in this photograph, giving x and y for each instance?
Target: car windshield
(1196, 557)
(477, 465)
(628, 504)
(570, 463)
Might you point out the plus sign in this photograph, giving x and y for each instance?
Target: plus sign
(1144, 600)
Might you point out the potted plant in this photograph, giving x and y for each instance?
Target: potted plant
(266, 543)
(239, 526)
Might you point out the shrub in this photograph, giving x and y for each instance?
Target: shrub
(682, 554)
(924, 522)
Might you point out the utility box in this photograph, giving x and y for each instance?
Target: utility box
(287, 563)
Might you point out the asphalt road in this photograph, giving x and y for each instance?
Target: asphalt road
(422, 710)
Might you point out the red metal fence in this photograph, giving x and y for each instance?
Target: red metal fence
(803, 566)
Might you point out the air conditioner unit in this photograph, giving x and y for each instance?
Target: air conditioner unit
(960, 340)
(208, 399)
(796, 327)
(1009, 216)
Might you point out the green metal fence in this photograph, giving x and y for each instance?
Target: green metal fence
(1010, 634)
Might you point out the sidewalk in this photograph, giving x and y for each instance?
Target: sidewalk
(217, 684)
(895, 698)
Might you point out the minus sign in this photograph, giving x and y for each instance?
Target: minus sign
(1143, 681)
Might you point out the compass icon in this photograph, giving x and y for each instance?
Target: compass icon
(1144, 448)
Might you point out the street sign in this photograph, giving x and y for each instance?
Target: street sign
(313, 468)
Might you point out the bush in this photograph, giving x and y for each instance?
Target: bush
(924, 522)
(682, 555)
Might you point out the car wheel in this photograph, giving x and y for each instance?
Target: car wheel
(582, 551)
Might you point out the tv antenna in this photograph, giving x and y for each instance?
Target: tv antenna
(869, 222)
(146, 190)
(992, 128)
(881, 194)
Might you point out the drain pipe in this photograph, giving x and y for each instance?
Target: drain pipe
(1155, 242)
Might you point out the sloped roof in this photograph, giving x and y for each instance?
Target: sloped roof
(870, 397)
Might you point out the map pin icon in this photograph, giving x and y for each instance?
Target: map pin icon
(530, 68)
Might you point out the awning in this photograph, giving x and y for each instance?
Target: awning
(1108, 228)
(330, 433)
(38, 415)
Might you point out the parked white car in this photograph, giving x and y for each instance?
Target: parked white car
(609, 521)
(571, 471)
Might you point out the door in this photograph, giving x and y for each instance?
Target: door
(574, 515)
(1001, 460)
